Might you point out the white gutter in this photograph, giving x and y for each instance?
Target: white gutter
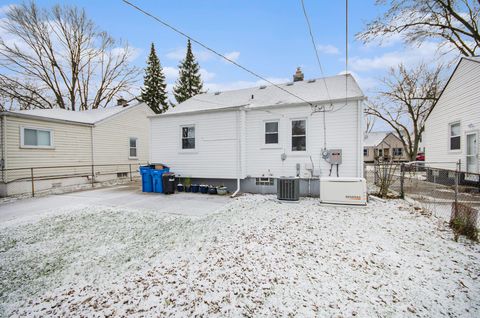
(240, 148)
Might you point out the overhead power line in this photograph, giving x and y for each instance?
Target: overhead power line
(312, 38)
(215, 52)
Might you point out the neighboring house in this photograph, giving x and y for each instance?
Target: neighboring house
(383, 146)
(453, 127)
(252, 136)
(57, 137)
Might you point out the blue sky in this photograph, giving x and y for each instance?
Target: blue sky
(269, 37)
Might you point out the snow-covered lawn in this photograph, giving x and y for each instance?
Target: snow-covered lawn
(253, 257)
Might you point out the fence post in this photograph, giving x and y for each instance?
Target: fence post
(93, 174)
(402, 180)
(130, 168)
(457, 176)
(33, 182)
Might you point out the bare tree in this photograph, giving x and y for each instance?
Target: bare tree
(58, 58)
(453, 22)
(369, 120)
(406, 102)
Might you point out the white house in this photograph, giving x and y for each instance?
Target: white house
(107, 141)
(453, 127)
(251, 136)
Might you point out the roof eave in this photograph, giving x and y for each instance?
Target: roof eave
(41, 118)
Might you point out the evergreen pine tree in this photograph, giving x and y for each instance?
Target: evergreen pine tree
(189, 82)
(154, 87)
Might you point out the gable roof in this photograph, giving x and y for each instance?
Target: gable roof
(374, 138)
(89, 117)
(475, 59)
(263, 96)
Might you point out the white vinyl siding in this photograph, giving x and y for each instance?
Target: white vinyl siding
(111, 137)
(459, 102)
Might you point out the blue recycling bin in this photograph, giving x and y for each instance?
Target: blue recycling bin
(147, 182)
(157, 179)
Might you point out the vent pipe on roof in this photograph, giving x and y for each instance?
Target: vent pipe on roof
(298, 76)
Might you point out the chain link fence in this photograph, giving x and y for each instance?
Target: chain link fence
(34, 181)
(441, 188)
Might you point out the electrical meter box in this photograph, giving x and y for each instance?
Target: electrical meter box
(334, 156)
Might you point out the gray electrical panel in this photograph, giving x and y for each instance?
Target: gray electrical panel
(333, 156)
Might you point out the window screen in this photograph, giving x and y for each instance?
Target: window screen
(271, 133)
(299, 135)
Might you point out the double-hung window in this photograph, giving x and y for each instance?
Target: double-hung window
(188, 137)
(299, 135)
(398, 152)
(133, 147)
(454, 136)
(36, 138)
(271, 132)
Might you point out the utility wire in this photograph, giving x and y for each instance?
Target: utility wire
(312, 38)
(215, 52)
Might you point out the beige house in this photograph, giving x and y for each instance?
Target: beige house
(383, 146)
(64, 147)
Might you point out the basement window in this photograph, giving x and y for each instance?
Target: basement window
(264, 181)
(36, 138)
(299, 135)
(271, 132)
(188, 137)
(122, 174)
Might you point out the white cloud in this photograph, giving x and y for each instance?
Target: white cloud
(233, 55)
(170, 73)
(328, 49)
(206, 75)
(410, 56)
(133, 54)
(367, 84)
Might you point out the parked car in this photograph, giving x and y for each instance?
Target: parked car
(420, 156)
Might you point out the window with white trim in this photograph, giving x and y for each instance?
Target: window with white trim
(188, 137)
(133, 147)
(454, 132)
(299, 135)
(398, 152)
(271, 132)
(37, 138)
(365, 152)
(264, 181)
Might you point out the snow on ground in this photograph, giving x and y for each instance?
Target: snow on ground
(253, 257)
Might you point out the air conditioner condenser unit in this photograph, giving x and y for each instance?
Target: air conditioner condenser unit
(352, 191)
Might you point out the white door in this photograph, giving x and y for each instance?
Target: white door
(472, 153)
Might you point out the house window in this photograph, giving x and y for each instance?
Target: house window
(380, 152)
(271, 132)
(455, 136)
(38, 138)
(365, 152)
(133, 147)
(299, 135)
(264, 181)
(398, 152)
(188, 137)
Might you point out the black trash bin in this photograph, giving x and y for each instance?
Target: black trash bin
(168, 180)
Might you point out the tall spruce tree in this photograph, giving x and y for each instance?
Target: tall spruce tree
(189, 82)
(154, 87)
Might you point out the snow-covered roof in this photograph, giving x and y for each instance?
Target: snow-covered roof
(85, 117)
(372, 139)
(313, 91)
(472, 58)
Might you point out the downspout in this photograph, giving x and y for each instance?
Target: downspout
(92, 149)
(240, 148)
(4, 149)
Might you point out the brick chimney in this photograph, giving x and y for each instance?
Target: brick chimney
(298, 76)
(122, 102)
